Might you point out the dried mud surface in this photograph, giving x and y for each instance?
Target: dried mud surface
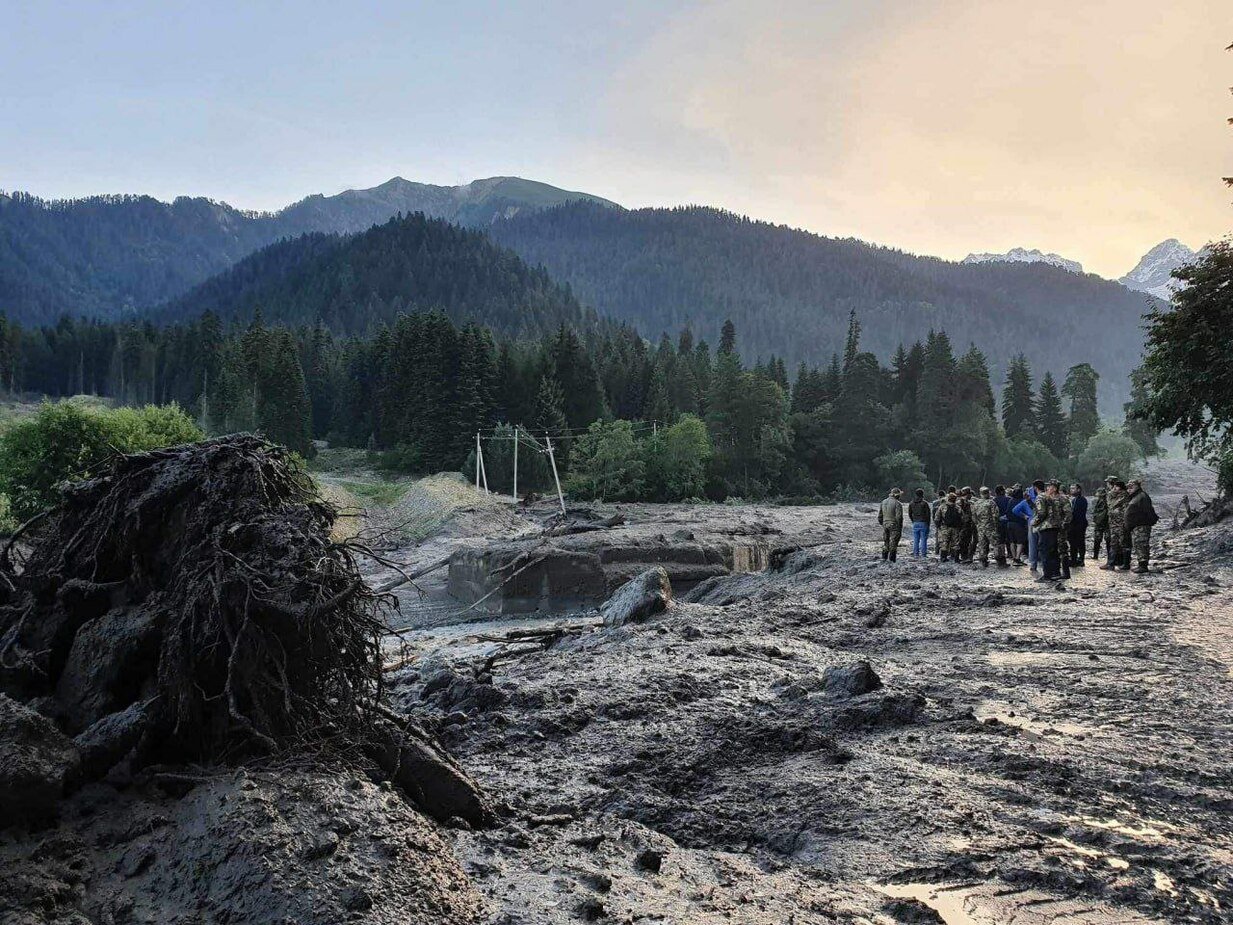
(1025, 753)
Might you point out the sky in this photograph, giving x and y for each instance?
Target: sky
(1092, 128)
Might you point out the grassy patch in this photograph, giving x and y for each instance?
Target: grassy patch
(380, 493)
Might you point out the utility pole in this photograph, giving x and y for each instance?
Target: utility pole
(483, 469)
(556, 478)
(477, 460)
(516, 434)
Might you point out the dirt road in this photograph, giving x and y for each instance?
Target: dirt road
(1016, 752)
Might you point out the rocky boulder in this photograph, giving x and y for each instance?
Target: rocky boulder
(36, 760)
(639, 598)
(851, 680)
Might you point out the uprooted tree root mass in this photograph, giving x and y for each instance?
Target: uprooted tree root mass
(189, 605)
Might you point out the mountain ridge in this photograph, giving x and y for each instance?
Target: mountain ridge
(1153, 273)
(1025, 255)
(111, 255)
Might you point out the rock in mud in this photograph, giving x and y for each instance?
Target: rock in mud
(639, 599)
(111, 738)
(851, 680)
(36, 761)
(110, 658)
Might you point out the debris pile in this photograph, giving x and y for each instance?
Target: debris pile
(190, 606)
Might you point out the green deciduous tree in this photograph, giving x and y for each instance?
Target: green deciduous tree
(607, 464)
(72, 440)
(1187, 367)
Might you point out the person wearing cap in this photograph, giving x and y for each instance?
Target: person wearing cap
(937, 524)
(1049, 520)
(967, 534)
(950, 524)
(1141, 516)
(921, 514)
(1100, 521)
(1118, 558)
(1063, 534)
(985, 517)
(890, 516)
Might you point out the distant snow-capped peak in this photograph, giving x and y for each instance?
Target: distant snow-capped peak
(1022, 255)
(1153, 273)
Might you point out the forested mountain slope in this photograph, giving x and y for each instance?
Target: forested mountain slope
(409, 264)
(106, 256)
(789, 291)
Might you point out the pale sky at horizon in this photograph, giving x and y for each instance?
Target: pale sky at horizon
(1092, 128)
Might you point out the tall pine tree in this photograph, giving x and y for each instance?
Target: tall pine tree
(1050, 418)
(1018, 402)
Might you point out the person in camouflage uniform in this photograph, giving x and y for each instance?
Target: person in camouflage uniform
(1100, 521)
(1063, 534)
(937, 524)
(1140, 518)
(950, 526)
(967, 534)
(1117, 501)
(1049, 521)
(985, 518)
(890, 518)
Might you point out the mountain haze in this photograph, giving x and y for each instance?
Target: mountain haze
(789, 292)
(105, 256)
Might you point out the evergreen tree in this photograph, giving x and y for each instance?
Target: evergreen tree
(1018, 402)
(284, 412)
(1050, 419)
(852, 344)
(727, 339)
(1084, 418)
(1141, 430)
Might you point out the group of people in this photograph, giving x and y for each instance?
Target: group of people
(1040, 526)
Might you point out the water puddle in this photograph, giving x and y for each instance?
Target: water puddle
(948, 900)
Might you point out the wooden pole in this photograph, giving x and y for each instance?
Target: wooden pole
(477, 460)
(552, 457)
(483, 469)
(516, 432)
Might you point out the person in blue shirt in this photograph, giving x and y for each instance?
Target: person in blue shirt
(1078, 525)
(1035, 490)
(1022, 513)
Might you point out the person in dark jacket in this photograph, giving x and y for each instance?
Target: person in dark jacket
(1016, 526)
(1078, 525)
(1140, 518)
(1003, 504)
(921, 514)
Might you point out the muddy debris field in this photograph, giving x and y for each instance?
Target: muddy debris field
(836, 738)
